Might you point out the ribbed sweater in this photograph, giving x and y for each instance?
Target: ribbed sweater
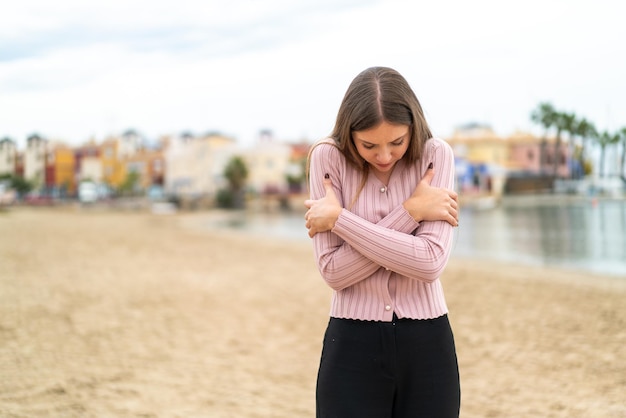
(377, 259)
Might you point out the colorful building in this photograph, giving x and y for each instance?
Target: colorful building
(486, 162)
(88, 164)
(195, 164)
(113, 170)
(149, 166)
(35, 161)
(481, 157)
(59, 171)
(8, 156)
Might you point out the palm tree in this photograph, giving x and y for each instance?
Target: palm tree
(236, 172)
(604, 139)
(622, 134)
(544, 115)
(585, 130)
(569, 123)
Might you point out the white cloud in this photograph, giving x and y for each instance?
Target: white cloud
(71, 69)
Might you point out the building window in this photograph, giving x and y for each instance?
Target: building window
(530, 154)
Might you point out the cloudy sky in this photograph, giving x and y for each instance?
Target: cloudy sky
(75, 69)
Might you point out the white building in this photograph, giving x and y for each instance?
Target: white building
(35, 160)
(195, 165)
(8, 156)
(268, 165)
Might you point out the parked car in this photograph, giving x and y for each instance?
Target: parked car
(87, 192)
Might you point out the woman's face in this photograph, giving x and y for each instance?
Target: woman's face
(382, 146)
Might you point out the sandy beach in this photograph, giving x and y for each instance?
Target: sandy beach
(134, 314)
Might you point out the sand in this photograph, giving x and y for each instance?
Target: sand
(133, 314)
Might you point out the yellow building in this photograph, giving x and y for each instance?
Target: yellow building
(149, 165)
(113, 169)
(480, 144)
(482, 159)
(60, 170)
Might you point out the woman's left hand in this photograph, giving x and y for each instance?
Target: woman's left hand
(322, 213)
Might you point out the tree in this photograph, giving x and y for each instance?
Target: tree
(544, 115)
(604, 139)
(584, 130)
(562, 122)
(622, 169)
(18, 183)
(569, 122)
(130, 183)
(236, 173)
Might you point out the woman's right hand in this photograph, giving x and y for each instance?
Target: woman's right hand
(322, 213)
(428, 203)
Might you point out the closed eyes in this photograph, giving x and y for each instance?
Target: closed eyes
(397, 143)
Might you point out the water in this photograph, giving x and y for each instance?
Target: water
(579, 235)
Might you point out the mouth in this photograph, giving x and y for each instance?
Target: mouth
(384, 167)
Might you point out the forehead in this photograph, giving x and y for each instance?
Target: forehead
(381, 133)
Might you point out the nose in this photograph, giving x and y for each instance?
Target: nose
(384, 156)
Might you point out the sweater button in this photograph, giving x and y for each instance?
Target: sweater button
(383, 189)
(387, 308)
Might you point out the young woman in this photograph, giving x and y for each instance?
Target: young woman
(381, 215)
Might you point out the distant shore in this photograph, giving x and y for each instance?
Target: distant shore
(130, 313)
(532, 199)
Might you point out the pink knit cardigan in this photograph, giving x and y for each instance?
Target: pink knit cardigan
(377, 259)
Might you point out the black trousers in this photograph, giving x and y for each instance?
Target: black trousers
(406, 368)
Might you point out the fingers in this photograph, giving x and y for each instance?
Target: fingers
(328, 185)
(453, 222)
(454, 203)
(452, 217)
(430, 173)
(454, 214)
(308, 224)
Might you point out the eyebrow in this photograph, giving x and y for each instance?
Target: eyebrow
(390, 142)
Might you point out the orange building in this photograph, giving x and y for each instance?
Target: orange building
(113, 171)
(59, 170)
(149, 166)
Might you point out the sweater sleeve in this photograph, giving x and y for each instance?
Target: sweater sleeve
(356, 248)
(338, 262)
